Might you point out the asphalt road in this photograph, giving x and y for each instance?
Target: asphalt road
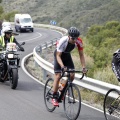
(26, 102)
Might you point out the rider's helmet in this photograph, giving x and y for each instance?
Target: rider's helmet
(7, 30)
(73, 32)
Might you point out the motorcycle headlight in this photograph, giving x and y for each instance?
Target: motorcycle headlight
(10, 55)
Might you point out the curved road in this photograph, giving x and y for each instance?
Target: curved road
(26, 102)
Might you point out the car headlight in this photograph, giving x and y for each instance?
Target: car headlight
(22, 26)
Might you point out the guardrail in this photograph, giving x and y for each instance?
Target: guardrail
(63, 30)
(89, 83)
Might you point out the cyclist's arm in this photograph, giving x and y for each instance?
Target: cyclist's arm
(61, 46)
(82, 58)
(58, 56)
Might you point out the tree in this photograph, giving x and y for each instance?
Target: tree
(1, 10)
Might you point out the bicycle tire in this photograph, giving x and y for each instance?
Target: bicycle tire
(48, 95)
(112, 105)
(72, 102)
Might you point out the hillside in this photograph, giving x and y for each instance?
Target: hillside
(80, 13)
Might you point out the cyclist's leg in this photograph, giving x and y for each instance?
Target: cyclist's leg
(56, 82)
(57, 75)
(70, 65)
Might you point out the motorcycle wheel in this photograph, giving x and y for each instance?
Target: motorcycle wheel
(13, 78)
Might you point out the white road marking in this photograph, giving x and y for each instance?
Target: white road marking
(40, 35)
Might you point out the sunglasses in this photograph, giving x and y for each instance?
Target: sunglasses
(9, 33)
(74, 38)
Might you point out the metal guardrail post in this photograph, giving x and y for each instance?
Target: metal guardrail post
(46, 44)
(52, 42)
(39, 49)
(35, 64)
(44, 73)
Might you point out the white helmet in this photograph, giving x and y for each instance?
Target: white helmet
(7, 30)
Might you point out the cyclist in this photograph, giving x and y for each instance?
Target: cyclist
(63, 59)
(116, 64)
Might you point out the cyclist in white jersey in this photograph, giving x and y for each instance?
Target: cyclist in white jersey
(63, 59)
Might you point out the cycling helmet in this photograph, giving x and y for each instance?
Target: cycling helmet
(73, 32)
(7, 30)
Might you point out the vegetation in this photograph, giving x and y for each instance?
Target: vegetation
(80, 13)
(90, 16)
(100, 44)
(7, 16)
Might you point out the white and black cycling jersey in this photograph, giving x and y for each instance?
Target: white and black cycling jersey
(64, 46)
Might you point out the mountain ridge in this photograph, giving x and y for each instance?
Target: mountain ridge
(79, 13)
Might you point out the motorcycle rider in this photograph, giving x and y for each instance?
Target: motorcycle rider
(7, 37)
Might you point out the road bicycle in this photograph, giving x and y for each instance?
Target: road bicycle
(70, 96)
(112, 105)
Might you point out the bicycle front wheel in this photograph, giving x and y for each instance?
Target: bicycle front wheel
(48, 95)
(72, 102)
(112, 105)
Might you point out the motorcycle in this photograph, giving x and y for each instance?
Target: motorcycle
(9, 64)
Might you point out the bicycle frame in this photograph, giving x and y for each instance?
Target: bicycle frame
(70, 93)
(68, 83)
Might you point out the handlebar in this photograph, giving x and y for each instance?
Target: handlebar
(73, 71)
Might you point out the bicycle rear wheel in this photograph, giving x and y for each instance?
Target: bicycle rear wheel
(112, 105)
(72, 102)
(48, 95)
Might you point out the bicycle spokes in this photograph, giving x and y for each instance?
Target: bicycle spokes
(48, 95)
(72, 102)
(112, 105)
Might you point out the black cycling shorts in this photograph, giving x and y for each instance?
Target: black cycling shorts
(66, 59)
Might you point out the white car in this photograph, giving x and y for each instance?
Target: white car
(4, 25)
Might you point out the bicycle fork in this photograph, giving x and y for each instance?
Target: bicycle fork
(71, 98)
